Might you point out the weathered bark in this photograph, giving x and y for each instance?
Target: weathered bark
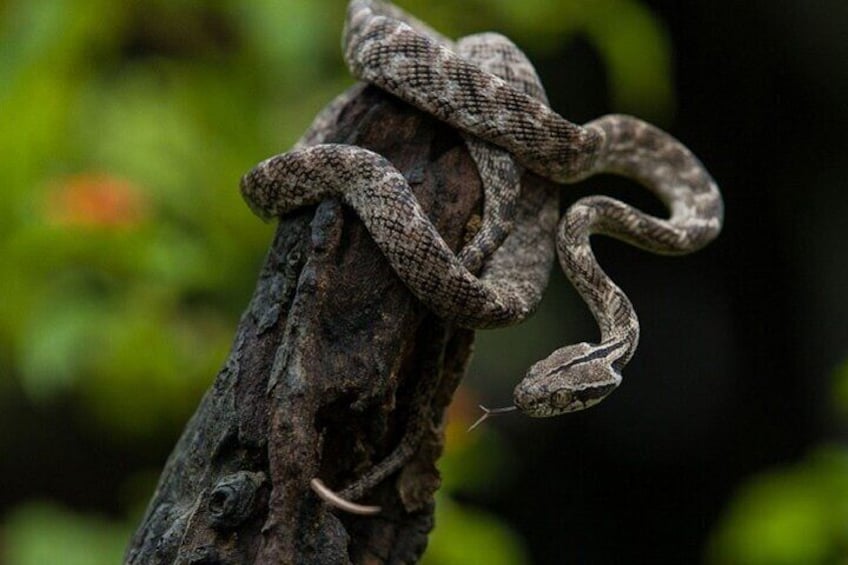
(329, 365)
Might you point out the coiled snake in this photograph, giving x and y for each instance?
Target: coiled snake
(486, 88)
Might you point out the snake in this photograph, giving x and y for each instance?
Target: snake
(508, 125)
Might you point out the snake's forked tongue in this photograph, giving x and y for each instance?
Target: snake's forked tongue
(487, 412)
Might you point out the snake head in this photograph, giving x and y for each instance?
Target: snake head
(572, 378)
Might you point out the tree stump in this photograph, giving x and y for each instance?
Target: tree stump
(330, 363)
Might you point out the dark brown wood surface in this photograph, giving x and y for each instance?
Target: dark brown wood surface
(330, 365)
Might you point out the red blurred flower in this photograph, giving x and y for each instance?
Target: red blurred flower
(96, 200)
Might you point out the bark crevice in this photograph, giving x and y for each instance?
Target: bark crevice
(331, 364)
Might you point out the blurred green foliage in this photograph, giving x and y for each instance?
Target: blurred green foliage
(796, 515)
(126, 254)
(40, 533)
(792, 516)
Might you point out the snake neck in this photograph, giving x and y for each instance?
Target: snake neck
(646, 154)
(612, 310)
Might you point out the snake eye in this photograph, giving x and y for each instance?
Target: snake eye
(562, 398)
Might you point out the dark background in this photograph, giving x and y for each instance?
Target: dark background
(739, 341)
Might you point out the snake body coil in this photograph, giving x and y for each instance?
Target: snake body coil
(485, 88)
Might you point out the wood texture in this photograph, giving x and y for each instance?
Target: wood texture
(330, 363)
